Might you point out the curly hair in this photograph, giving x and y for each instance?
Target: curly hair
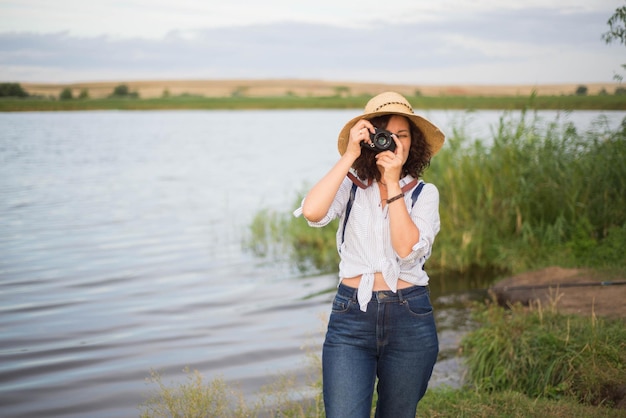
(418, 160)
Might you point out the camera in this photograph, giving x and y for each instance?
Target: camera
(382, 140)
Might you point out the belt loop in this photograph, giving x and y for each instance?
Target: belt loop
(400, 295)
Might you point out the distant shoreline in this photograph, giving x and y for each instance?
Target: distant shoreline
(307, 88)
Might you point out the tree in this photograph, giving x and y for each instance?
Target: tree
(84, 94)
(66, 94)
(122, 90)
(581, 90)
(617, 32)
(12, 90)
(617, 27)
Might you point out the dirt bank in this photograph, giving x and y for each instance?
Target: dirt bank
(575, 291)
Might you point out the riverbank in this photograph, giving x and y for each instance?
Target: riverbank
(306, 94)
(567, 103)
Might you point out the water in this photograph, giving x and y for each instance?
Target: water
(121, 253)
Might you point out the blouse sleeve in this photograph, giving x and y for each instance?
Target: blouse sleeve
(337, 207)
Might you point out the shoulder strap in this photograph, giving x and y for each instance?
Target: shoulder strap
(416, 193)
(348, 209)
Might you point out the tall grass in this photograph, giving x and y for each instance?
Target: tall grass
(538, 194)
(532, 194)
(544, 354)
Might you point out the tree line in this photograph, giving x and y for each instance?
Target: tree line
(15, 90)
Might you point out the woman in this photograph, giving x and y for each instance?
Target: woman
(381, 325)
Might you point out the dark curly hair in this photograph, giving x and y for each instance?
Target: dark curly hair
(418, 160)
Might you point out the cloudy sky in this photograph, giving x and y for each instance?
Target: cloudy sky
(391, 41)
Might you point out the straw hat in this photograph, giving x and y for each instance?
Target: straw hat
(391, 103)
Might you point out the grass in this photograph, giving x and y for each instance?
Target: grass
(451, 403)
(572, 102)
(521, 363)
(543, 354)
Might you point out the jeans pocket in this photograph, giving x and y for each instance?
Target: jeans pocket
(419, 305)
(341, 304)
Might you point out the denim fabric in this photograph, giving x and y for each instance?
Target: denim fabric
(395, 340)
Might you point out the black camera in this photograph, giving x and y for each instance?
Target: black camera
(381, 141)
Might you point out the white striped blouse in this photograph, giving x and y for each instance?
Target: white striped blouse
(367, 249)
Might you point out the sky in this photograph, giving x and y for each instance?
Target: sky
(391, 41)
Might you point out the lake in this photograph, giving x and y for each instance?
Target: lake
(121, 252)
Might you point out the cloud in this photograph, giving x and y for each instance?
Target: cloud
(502, 41)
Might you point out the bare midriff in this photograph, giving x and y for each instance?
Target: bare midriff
(379, 282)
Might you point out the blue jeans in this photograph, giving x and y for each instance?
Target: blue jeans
(394, 341)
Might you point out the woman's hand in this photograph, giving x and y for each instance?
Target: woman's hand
(391, 162)
(360, 132)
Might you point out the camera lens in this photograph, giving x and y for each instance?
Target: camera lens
(382, 140)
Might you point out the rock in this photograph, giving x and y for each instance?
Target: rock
(572, 291)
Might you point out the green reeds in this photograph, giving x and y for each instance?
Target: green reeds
(538, 194)
(543, 354)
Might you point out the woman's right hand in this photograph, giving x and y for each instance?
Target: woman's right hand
(358, 133)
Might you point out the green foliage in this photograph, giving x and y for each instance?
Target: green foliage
(581, 90)
(617, 32)
(275, 234)
(66, 94)
(12, 90)
(536, 196)
(122, 91)
(544, 354)
(84, 94)
(617, 27)
(450, 403)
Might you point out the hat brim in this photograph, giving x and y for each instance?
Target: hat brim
(433, 135)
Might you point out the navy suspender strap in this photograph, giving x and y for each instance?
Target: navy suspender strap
(414, 196)
(416, 193)
(348, 209)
